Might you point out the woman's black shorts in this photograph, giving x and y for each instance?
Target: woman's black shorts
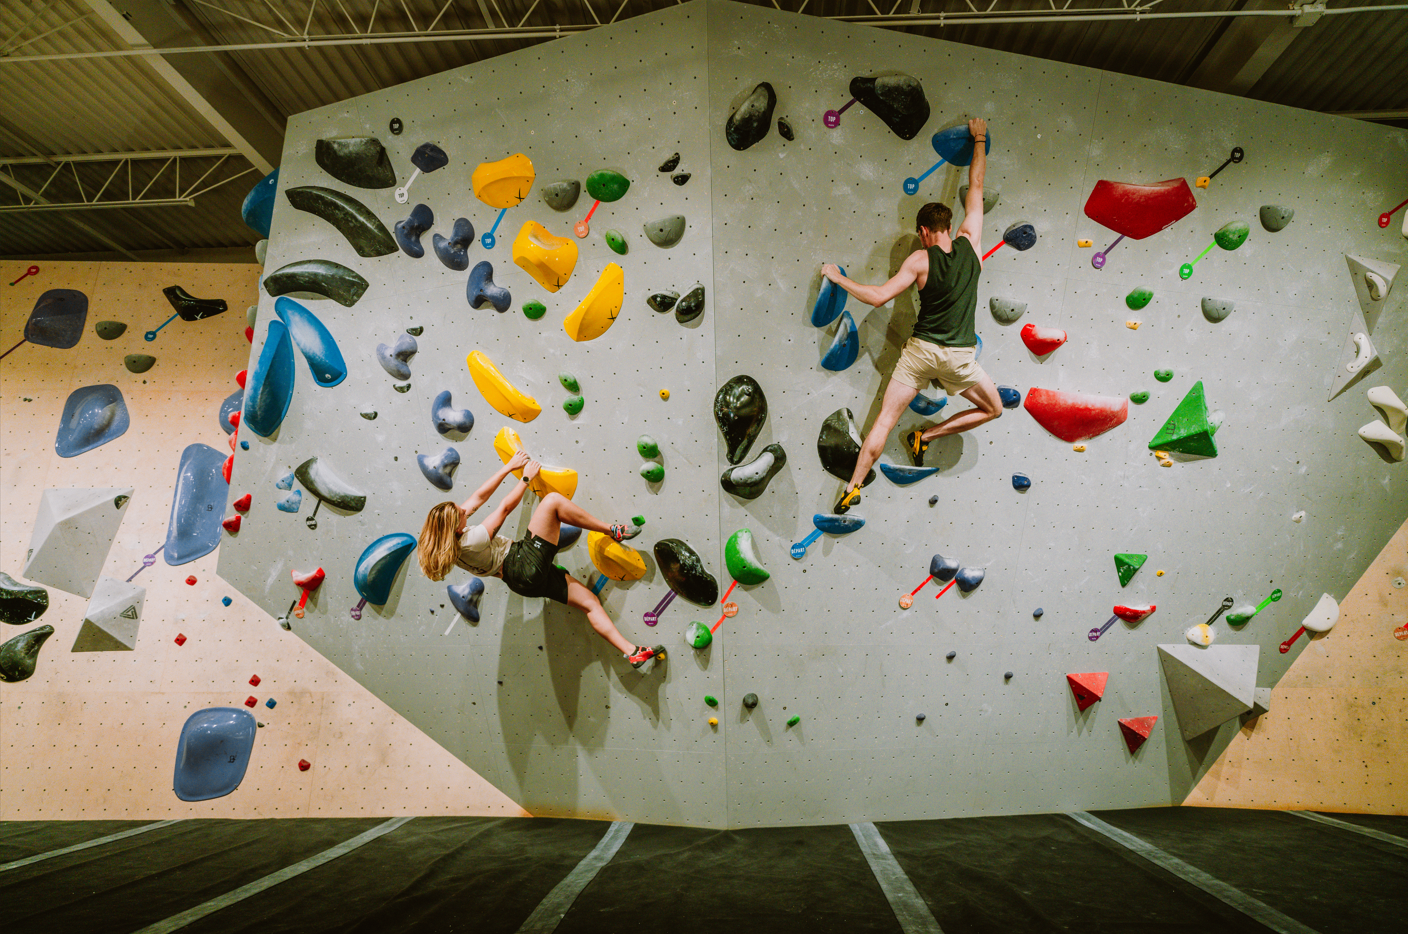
(529, 571)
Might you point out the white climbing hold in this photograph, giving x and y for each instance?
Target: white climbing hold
(1391, 408)
(1298, 516)
(1201, 634)
(1376, 432)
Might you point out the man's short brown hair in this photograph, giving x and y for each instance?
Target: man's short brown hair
(937, 217)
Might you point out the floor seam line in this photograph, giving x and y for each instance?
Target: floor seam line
(87, 844)
(1369, 832)
(555, 905)
(911, 911)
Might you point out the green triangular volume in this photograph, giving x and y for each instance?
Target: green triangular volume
(1126, 565)
(1188, 430)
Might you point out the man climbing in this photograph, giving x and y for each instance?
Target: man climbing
(448, 540)
(943, 346)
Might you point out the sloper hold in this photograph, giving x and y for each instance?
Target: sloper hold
(453, 251)
(1188, 430)
(1209, 686)
(741, 559)
(1275, 217)
(1138, 298)
(667, 231)
(447, 418)
(548, 258)
(57, 319)
(318, 478)
(138, 362)
(599, 310)
(1232, 234)
(1323, 616)
(613, 559)
(684, 571)
(606, 185)
(21, 603)
(751, 479)
(359, 161)
(838, 445)
(505, 183)
(830, 300)
(561, 480)
(1217, 309)
(113, 617)
(990, 197)
(213, 753)
(752, 118)
(904, 475)
(845, 346)
(1011, 396)
(505, 398)
(943, 569)
(1136, 730)
(73, 533)
(109, 330)
(465, 598)
(354, 220)
(380, 562)
(1134, 614)
(316, 342)
(257, 209)
(19, 654)
(191, 308)
(1006, 310)
(1139, 211)
(740, 409)
(480, 290)
(1075, 417)
(440, 468)
(1087, 687)
(92, 416)
(197, 505)
(561, 196)
(396, 358)
(897, 99)
(1358, 357)
(270, 386)
(1042, 341)
(1127, 564)
(923, 405)
(968, 579)
(691, 306)
(319, 276)
(408, 232)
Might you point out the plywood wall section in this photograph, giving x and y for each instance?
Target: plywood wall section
(1333, 738)
(93, 735)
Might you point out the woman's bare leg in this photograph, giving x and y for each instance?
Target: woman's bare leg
(556, 509)
(580, 596)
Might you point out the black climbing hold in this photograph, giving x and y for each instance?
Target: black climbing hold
(1037, 613)
(1007, 676)
(109, 330)
(319, 276)
(691, 306)
(752, 118)
(838, 446)
(784, 129)
(416, 331)
(751, 479)
(951, 656)
(481, 289)
(57, 319)
(18, 655)
(684, 571)
(663, 301)
(896, 99)
(21, 603)
(933, 501)
(750, 701)
(428, 157)
(353, 219)
(360, 161)
(395, 126)
(920, 718)
(191, 308)
(560, 196)
(680, 179)
(454, 250)
(328, 486)
(408, 231)
(741, 409)
(670, 164)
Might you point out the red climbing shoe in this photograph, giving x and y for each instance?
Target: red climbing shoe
(915, 443)
(643, 654)
(847, 500)
(620, 531)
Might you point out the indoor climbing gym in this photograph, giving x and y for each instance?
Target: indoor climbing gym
(703, 466)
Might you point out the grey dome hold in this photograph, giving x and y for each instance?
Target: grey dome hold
(561, 196)
(1005, 310)
(667, 231)
(990, 197)
(750, 701)
(1216, 309)
(1275, 217)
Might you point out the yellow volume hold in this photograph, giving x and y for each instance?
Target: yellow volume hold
(499, 392)
(600, 308)
(505, 183)
(547, 258)
(617, 561)
(549, 480)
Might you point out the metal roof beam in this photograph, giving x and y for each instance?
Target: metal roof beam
(1246, 50)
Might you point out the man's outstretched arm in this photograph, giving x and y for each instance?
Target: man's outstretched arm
(972, 226)
(878, 295)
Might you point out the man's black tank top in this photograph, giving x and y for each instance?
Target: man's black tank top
(948, 302)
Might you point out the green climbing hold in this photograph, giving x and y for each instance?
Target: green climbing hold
(711, 700)
(569, 382)
(534, 310)
(1139, 298)
(606, 185)
(1188, 430)
(416, 331)
(647, 446)
(573, 404)
(742, 559)
(1139, 398)
(1163, 376)
(1126, 565)
(617, 241)
(1232, 235)
(699, 637)
(794, 720)
(109, 330)
(652, 472)
(638, 520)
(21, 603)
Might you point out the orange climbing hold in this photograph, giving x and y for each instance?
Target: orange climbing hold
(1088, 687)
(1136, 730)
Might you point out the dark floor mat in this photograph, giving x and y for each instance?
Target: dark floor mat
(22, 839)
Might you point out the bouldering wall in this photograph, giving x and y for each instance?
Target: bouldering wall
(532, 701)
(93, 734)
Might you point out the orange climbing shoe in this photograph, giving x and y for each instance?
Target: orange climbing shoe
(643, 654)
(847, 500)
(916, 444)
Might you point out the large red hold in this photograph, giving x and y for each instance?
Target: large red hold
(1074, 417)
(1041, 341)
(1135, 614)
(1136, 730)
(1139, 211)
(1088, 687)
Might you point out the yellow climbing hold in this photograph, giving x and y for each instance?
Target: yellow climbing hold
(547, 258)
(1161, 455)
(1084, 244)
(1079, 448)
(713, 721)
(499, 392)
(504, 183)
(1158, 573)
(617, 561)
(549, 480)
(601, 306)
(665, 394)
(1132, 324)
(1203, 181)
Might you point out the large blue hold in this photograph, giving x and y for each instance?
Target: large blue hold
(213, 753)
(258, 208)
(197, 505)
(440, 468)
(903, 475)
(379, 564)
(923, 405)
(93, 416)
(837, 525)
(829, 302)
(269, 389)
(315, 340)
(845, 346)
(465, 598)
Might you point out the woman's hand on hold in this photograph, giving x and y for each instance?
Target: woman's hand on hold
(518, 461)
(531, 471)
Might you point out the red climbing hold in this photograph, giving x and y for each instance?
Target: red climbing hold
(1136, 730)
(304, 765)
(1074, 417)
(1139, 211)
(1088, 687)
(180, 638)
(229, 466)
(1134, 614)
(242, 504)
(191, 580)
(241, 376)
(249, 334)
(1041, 341)
(234, 418)
(254, 680)
(232, 524)
(250, 701)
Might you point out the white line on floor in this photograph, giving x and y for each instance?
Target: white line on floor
(909, 907)
(1346, 825)
(550, 911)
(91, 843)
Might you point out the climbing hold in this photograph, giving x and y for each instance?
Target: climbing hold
(1127, 564)
(691, 306)
(139, 362)
(534, 310)
(548, 258)
(415, 331)
(711, 700)
(1074, 417)
(1085, 244)
(1007, 676)
(1021, 482)
(1232, 235)
(599, 310)
(990, 197)
(561, 196)
(1038, 613)
(613, 559)
(481, 290)
(569, 382)
(1139, 398)
(257, 210)
(319, 277)
(897, 99)
(314, 340)
(968, 579)
(652, 472)
(232, 524)
(663, 301)
(57, 319)
(242, 504)
(1087, 687)
(951, 655)
(606, 185)
(750, 701)
(22, 603)
(230, 408)
(1136, 730)
(568, 534)
(647, 446)
(440, 468)
(1389, 407)
(1188, 430)
(180, 638)
(454, 250)
(955, 146)
(368, 414)
(225, 601)
(408, 232)
(923, 405)
(401, 388)
(1079, 449)
(751, 479)
(376, 569)
(213, 753)
(1139, 298)
(92, 416)
(353, 219)
(191, 308)
(271, 704)
(751, 117)
(667, 231)
(905, 474)
(919, 718)
(740, 409)
(1163, 376)
(447, 418)
(665, 395)
(1377, 434)
(1041, 341)
(1139, 211)
(291, 502)
(1132, 324)
(319, 479)
(784, 129)
(428, 157)
(19, 654)
(1005, 310)
(713, 721)
(244, 446)
(396, 359)
(109, 330)
(1275, 217)
(1373, 280)
(197, 504)
(684, 571)
(616, 241)
(838, 446)
(933, 501)
(1215, 309)
(505, 183)
(561, 480)
(251, 701)
(793, 721)
(830, 300)
(741, 558)
(845, 346)
(680, 179)
(1134, 614)
(360, 161)
(670, 164)
(1010, 396)
(465, 598)
(304, 765)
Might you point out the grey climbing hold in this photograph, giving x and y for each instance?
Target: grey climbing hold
(18, 655)
(440, 468)
(319, 480)
(652, 472)
(251, 315)
(752, 118)
(1275, 217)
(109, 330)
(933, 501)
(684, 571)
(113, 618)
(670, 164)
(784, 129)
(21, 603)
(408, 232)
(481, 290)
(919, 718)
(353, 219)
(691, 306)
(1216, 309)
(447, 418)
(92, 416)
(680, 178)
(73, 533)
(990, 197)
(897, 99)
(1038, 613)
(838, 445)
(951, 656)
(359, 161)
(454, 249)
(569, 382)
(319, 277)
(139, 362)
(667, 231)
(751, 479)
(1007, 676)
(561, 196)
(1209, 686)
(261, 251)
(396, 359)
(750, 701)
(1006, 310)
(740, 409)
(663, 301)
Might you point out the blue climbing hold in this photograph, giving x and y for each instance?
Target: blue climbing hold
(567, 536)
(232, 404)
(1021, 482)
(226, 600)
(837, 525)
(829, 302)
(447, 418)
(942, 569)
(197, 505)
(408, 232)
(379, 564)
(269, 389)
(481, 290)
(213, 753)
(244, 445)
(428, 157)
(440, 468)
(291, 502)
(969, 579)
(285, 482)
(454, 250)
(978, 349)
(271, 703)
(845, 346)
(93, 416)
(466, 597)
(1011, 398)
(258, 208)
(396, 358)
(923, 405)
(904, 475)
(1038, 613)
(315, 341)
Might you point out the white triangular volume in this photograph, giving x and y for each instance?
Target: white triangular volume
(1261, 701)
(113, 617)
(1373, 280)
(73, 534)
(1358, 357)
(1324, 616)
(1209, 686)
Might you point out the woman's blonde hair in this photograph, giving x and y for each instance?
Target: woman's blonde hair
(439, 541)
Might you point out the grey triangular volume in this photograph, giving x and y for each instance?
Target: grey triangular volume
(113, 618)
(1373, 280)
(1358, 356)
(1209, 686)
(73, 534)
(94, 638)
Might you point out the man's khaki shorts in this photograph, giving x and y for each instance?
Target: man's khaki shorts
(955, 368)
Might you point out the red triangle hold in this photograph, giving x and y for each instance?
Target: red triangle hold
(1088, 687)
(1136, 730)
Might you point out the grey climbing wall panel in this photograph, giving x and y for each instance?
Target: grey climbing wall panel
(565, 729)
